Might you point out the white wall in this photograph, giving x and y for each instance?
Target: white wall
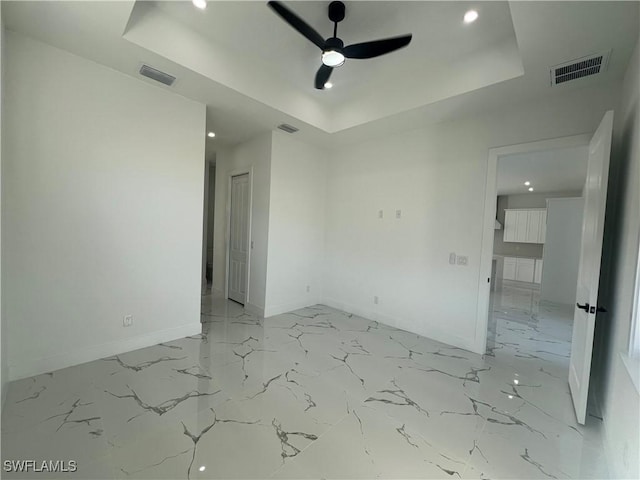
(296, 225)
(562, 250)
(619, 399)
(436, 176)
(102, 210)
(254, 155)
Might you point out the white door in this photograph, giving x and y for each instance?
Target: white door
(584, 318)
(238, 238)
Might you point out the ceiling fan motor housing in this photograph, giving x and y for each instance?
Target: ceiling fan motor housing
(336, 11)
(333, 43)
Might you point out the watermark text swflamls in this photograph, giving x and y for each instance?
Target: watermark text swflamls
(35, 466)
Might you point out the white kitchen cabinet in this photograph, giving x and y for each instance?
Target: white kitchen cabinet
(525, 269)
(537, 276)
(522, 269)
(542, 235)
(534, 220)
(522, 226)
(509, 234)
(509, 268)
(525, 225)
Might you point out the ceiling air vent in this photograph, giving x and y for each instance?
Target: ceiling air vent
(287, 128)
(157, 75)
(578, 68)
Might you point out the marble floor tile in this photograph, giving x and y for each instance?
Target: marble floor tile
(316, 393)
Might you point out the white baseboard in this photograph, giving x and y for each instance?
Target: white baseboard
(95, 352)
(278, 309)
(393, 321)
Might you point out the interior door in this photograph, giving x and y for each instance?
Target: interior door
(238, 238)
(584, 318)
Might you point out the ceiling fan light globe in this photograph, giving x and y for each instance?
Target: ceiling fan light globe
(332, 58)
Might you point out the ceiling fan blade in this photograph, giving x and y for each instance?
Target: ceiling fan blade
(297, 23)
(324, 72)
(376, 48)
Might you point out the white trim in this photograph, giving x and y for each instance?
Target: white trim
(491, 193)
(230, 175)
(96, 352)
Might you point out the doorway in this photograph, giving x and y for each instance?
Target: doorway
(538, 228)
(518, 314)
(209, 213)
(238, 244)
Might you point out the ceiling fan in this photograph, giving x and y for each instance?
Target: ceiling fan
(334, 52)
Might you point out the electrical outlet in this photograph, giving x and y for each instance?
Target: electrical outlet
(398, 213)
(127, 321)
(380, 214)
(375, 300)
(463, 260)
(452, 258)
(308, 288)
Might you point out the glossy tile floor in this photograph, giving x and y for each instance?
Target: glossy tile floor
(315, 393)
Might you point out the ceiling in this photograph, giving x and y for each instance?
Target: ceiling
(560, 170)
(254, 72)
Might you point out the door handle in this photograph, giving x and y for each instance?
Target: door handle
(584, 307)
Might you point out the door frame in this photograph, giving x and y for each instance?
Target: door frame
(488, 222)
(227, 239)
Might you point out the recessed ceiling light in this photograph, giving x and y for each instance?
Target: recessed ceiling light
(211, 134)
(328, 85)
(531, 189)
(202, 468)
(471, 16)
(527, 183)
(201, 4)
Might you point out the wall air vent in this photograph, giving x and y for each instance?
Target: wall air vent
(157, 75)
(287, 128)
(578, 68)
